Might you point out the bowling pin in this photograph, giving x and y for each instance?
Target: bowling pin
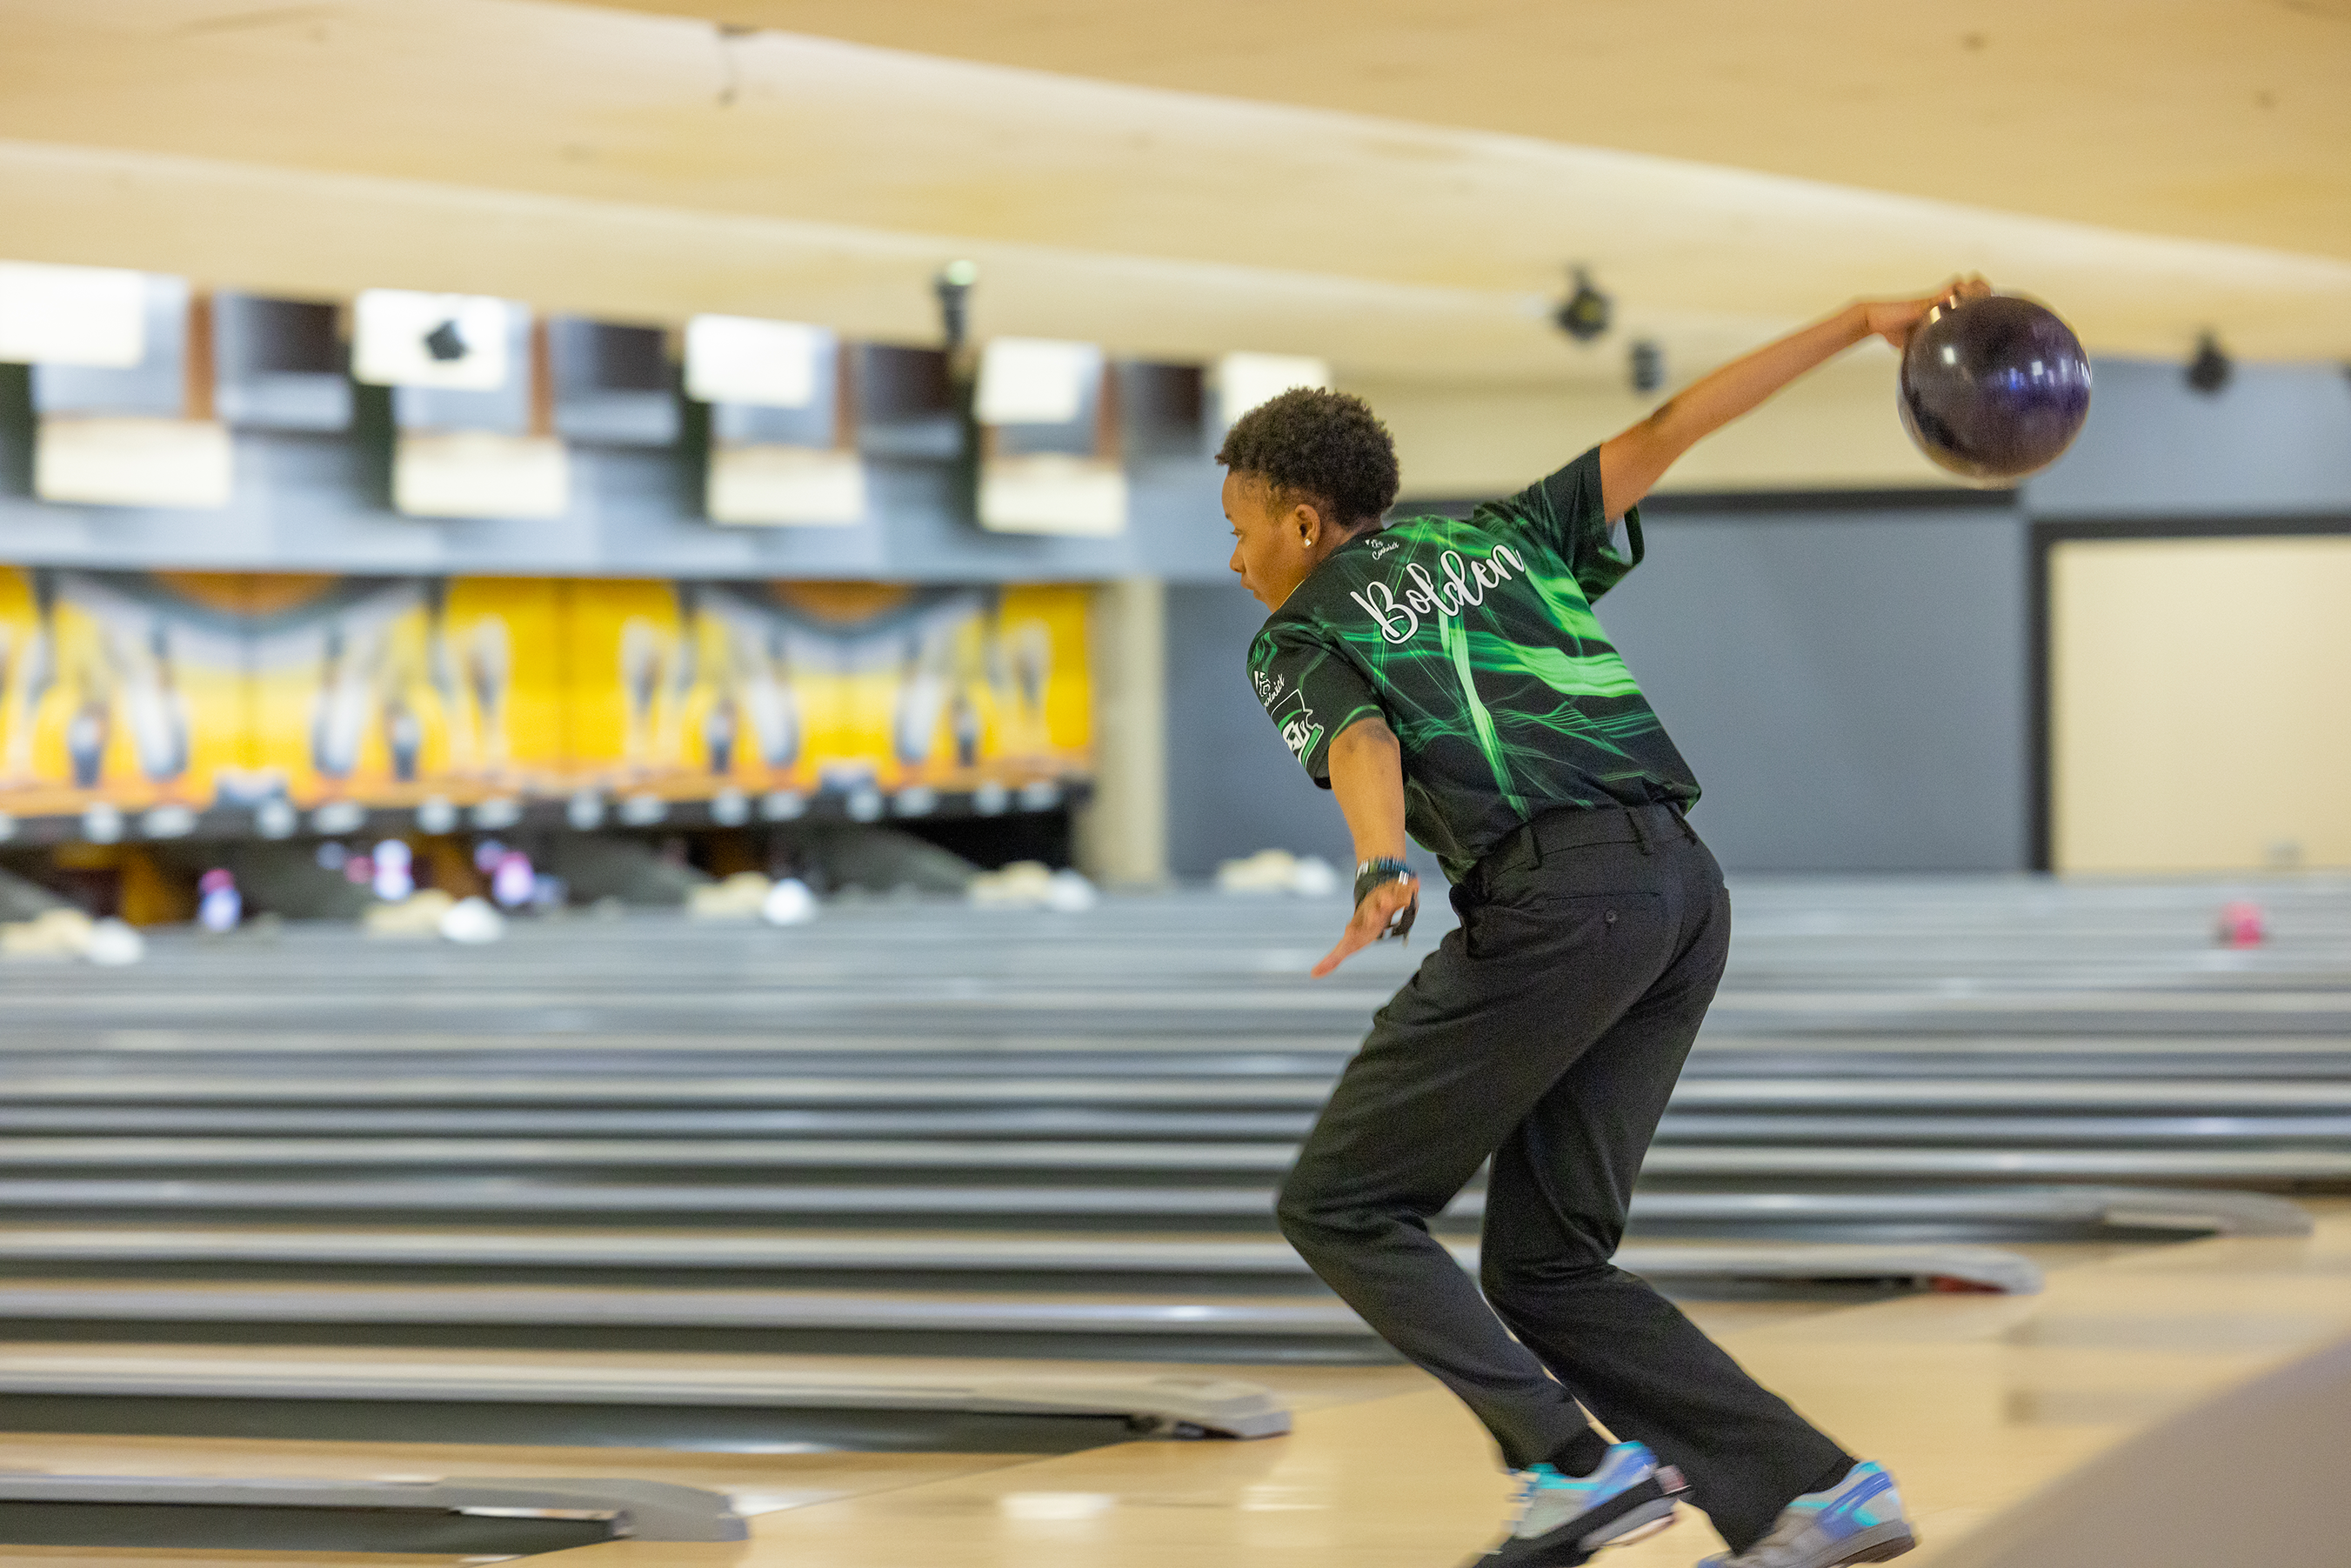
(1033, 669)
(774, 712)
(441, 674)
(219, 906)
(514, 881)
(718, 733)
(395, 877)
(338, 714)
(31, 668)
(2242, 924)
(487, 668)
(685, 670)
(642, 646)
(85, 734)
(156, 712)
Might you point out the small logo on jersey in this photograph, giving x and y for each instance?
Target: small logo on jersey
(1300, 732)
(1466, 584)
(1382, 548)
(1269, 691)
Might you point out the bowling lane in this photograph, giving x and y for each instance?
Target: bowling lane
(307, 1155)
(1976, 1403)
(959, 1130)
(758, 1480)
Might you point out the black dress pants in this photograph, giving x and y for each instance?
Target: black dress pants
(1546, 1033)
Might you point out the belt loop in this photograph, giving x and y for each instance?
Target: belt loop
(1640, 835)
(1534, 843)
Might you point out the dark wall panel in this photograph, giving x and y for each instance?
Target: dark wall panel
(1852, 688)
(1232, 785)
(2276, 442)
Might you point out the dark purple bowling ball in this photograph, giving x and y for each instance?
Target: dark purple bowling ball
(1994, 389)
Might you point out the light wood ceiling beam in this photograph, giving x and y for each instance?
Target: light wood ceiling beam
(2222, 120)
(643, 167)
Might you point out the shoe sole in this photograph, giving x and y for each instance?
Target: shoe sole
(1878, 1543)
(1883, 1550)
(1647, 1520)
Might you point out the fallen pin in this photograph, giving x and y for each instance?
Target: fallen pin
(2242, 923)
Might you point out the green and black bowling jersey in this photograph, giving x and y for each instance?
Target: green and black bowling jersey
(1475, 641)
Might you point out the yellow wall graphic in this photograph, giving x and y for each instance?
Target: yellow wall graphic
(680, 689)
(140, 690)
(390, 692)
(124, 688)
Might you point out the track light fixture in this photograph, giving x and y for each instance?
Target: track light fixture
(1585, 314)
(953, 285)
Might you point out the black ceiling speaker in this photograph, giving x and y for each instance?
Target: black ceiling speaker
(445, 343)
(2209, 371)
(1585, 314)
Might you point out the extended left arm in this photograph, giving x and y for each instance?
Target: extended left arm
(1367, 776)
(1631, 464)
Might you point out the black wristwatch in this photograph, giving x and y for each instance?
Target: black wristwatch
(1376, 874)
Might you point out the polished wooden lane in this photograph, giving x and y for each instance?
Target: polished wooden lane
(757, 1482)
(1961, 1025)
(1976, 1401)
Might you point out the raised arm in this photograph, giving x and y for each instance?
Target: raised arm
(1632, 464)
(1367, 776)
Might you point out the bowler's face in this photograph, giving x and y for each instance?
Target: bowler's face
(1268, 549)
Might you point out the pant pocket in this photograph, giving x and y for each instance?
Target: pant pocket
(1596, 921)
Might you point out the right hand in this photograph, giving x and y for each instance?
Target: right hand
(1370, 920)
(1895, 319)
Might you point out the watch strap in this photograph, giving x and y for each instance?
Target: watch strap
(1378, 872)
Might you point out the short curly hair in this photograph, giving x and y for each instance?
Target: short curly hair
(1327, 448)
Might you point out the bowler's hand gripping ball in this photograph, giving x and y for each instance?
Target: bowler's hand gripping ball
(1995, 388)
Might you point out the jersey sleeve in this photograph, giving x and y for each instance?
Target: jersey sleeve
(1566, 510)
(1310, 690)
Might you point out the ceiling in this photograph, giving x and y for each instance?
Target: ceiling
(1398, 186)
(2223, 120)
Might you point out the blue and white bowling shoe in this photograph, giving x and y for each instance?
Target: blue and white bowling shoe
(1859, 1520)
(1562, 1520)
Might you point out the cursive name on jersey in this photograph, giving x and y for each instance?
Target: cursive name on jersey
(1466, 584)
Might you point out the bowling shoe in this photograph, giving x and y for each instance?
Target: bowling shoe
(1859, 1520)
(1562, 1520)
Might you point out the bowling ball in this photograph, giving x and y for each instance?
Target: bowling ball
(1994, 389)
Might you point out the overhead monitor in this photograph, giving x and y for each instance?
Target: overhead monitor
(450, 342)
(1245, 380)
(1036, 381)
(71, 315)
(742, 360)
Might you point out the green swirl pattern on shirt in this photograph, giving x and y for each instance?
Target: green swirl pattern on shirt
(1474, 638)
